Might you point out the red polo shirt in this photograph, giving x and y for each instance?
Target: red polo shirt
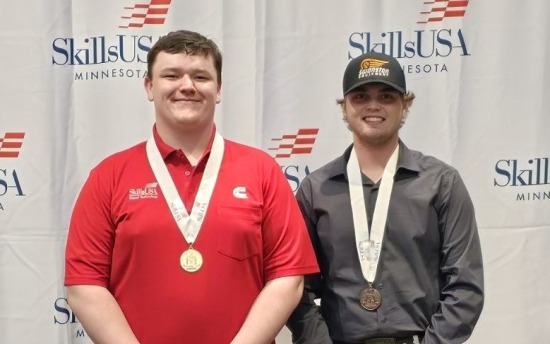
(122, 236)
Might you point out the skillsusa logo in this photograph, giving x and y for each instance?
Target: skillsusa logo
(148, 191)
(528, 178)
(10, 183)
(291, 145)
(438, 10)
(10, 144)
(94, 57)
(424, 49)
(152, 13)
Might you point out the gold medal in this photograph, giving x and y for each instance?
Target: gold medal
(191, 260)
(370, 298)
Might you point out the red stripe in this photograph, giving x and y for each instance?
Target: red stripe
(288, 137)
(157, 11)
(301, 150)
(9, 154)
(436, 19)
(11, 144)
(458, 3)
(154, 21)
(14, 135)
(139, 15)
(135, 25)
(285, 146)
(308, 131)
(141, 6)
(161, 2)
(439, 9)
(305, 141)
(455, 13)
(282, 156)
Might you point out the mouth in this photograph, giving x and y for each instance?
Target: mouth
(184, 101)
(373, 119)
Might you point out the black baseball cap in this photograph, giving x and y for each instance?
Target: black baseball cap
(374, 67)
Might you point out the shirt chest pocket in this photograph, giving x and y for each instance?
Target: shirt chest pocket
(240, 235)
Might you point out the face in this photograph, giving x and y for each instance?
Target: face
(374, 113)
(185, 91)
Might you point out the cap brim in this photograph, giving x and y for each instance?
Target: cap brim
(370, 81)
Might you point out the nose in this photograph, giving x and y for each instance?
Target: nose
(186, 84)
(372, 104)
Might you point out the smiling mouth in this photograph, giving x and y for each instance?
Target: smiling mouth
(373, 119)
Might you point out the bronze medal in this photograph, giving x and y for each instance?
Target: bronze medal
(370, 298)
(191, 260)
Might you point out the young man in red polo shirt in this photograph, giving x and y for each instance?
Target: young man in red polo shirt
(186, 238)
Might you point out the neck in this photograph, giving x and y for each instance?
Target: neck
(373, 159)
(192, 142)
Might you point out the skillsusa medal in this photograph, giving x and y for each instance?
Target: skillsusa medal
(370, 298)
(369, 241)
(191, 260)
(189, 224)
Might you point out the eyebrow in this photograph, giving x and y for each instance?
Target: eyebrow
(178, 69)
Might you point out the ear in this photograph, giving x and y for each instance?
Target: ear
(345, 117)
(219, 94)
(148, 85)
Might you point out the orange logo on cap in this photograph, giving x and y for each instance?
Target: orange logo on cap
(372, 63)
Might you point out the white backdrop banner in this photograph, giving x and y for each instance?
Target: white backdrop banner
(73, 94)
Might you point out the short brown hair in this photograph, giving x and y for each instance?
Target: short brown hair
(189, 42)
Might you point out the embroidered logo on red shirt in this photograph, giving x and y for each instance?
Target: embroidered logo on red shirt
(438, 10)
(152, 13)
(240, 192)
(148, 191)
(293, 144)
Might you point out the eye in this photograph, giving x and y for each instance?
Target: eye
(388, 97)
(201, 77)
(358, 96)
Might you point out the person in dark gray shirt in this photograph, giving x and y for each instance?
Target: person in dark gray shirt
(394, 230)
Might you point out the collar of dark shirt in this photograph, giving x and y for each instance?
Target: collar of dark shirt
(406, 164)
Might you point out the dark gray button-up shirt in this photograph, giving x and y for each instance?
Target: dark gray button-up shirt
(430, 272)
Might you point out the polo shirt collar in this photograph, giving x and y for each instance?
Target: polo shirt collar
(166, 150)
(405, 161)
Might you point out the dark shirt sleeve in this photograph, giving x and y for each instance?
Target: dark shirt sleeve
(461, 267)
(306, 322)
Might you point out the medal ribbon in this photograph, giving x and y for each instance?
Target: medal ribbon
(369, 244)
(189, 224)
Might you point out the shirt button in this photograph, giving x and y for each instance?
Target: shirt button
(187, 173)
